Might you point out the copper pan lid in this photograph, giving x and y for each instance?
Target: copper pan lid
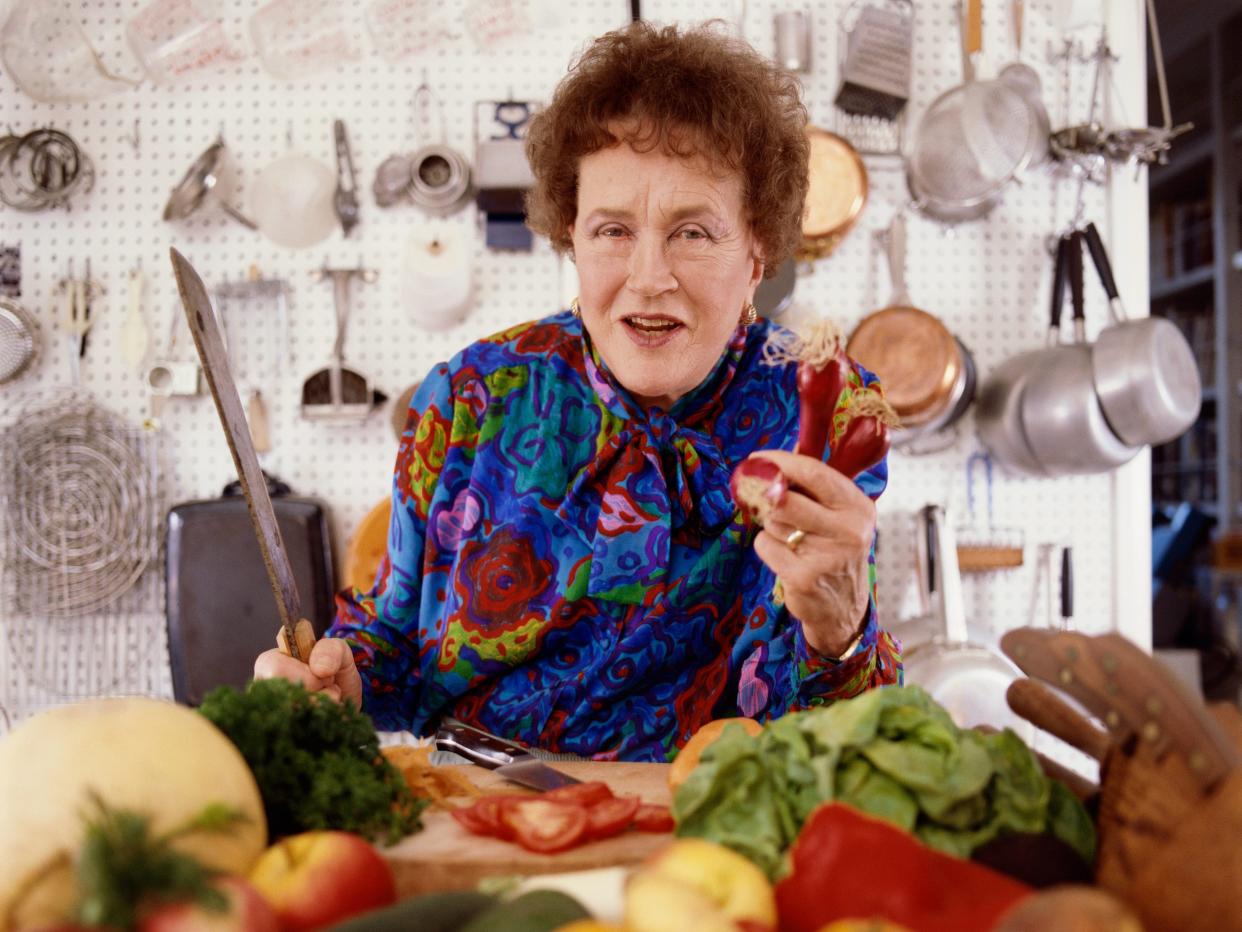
(914, 355)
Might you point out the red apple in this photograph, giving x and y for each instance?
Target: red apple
(247, 912)
(320, 878)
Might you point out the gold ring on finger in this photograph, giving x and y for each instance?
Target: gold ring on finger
(794, 539)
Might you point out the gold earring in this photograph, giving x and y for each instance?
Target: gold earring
(749, 315)
(574, 308)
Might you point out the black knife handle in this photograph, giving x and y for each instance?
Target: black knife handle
(477, 746)
(1067, 583)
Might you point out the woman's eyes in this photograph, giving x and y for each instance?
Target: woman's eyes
(693, 234)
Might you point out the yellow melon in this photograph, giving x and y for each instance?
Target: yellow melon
(145, 755)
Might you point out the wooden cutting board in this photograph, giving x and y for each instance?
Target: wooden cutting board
(444, 856)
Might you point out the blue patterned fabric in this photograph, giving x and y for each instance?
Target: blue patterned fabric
(569, 571)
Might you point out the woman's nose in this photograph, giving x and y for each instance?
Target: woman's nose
(650, 271)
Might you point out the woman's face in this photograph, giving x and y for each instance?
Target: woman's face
(666, 265)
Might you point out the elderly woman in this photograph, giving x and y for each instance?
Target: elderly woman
(565, 565)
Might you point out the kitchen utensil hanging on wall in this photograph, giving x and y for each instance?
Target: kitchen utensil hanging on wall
(972, 141)
(345, 200)
(435, 176)
(793, 40)
(836, 196)
(66, 562)
(436, 276)
(1040, 414)
(775, 294)
(1026, 81)
(984, 547)
(42, 170)
(19, 331)
(135, 332)
(212, 177)
(926, 372)
(254, 320)
(173, 38)
(292, 200)
(501, 173)
(49, 57)
(337, 394)
(879, 47)
(299, 38)
(1145, 371)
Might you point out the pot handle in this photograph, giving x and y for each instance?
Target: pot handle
(1058, 291)
(1075, 282)
(1099, 256)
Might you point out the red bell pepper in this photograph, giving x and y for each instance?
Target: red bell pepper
(845, 864)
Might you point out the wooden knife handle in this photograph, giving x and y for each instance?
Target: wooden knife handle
(1044, 709)
(303, 635)
(1132, 693)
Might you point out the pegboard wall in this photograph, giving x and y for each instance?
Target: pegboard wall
(986, 280)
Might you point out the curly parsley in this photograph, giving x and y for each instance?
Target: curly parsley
(317, 761)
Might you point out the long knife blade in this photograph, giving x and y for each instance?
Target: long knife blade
(511, 761)
(210, 345)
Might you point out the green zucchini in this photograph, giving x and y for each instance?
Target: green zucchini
(431, 912)
(537, 911)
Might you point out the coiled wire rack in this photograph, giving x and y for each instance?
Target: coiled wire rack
(81, 504)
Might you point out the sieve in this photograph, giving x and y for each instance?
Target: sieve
(972, 141)
(18, 340)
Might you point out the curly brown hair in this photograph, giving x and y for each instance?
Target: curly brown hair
(692, 92)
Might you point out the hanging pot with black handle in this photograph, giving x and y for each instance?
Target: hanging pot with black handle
(1061, 412)
(1145, 371)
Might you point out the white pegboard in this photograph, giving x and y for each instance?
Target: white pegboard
(986, 280)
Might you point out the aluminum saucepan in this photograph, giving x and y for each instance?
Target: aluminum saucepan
(998, 414)
(1061, 413)
(1145, 371)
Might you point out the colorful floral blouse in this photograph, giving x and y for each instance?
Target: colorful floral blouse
(569, 571)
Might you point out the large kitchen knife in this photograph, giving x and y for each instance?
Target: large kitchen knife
(511, 761)
(296, 636)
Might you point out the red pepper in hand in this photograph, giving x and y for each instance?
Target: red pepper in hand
(864, 441)
(848, 865)
(823, 376)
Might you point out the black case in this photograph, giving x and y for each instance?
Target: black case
(221, 610)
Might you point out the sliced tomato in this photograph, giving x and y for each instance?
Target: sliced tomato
(613, 816)
(473, 822)
(651, 817)
(584, 794)
(488, 811)
(545, 825)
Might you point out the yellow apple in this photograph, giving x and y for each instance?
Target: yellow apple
(320, 878)
(692, 883)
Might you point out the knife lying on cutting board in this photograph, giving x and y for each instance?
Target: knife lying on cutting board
(296, 636)
(511, 761)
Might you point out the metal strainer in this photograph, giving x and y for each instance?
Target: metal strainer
(972, 141)
(19, 342)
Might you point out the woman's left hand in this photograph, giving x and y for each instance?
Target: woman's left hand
(825, 574)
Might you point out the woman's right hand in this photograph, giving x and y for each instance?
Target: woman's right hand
(331, 670)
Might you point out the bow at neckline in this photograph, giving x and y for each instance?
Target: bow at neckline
(653, 472)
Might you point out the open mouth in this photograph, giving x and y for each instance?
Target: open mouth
(652, 326)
